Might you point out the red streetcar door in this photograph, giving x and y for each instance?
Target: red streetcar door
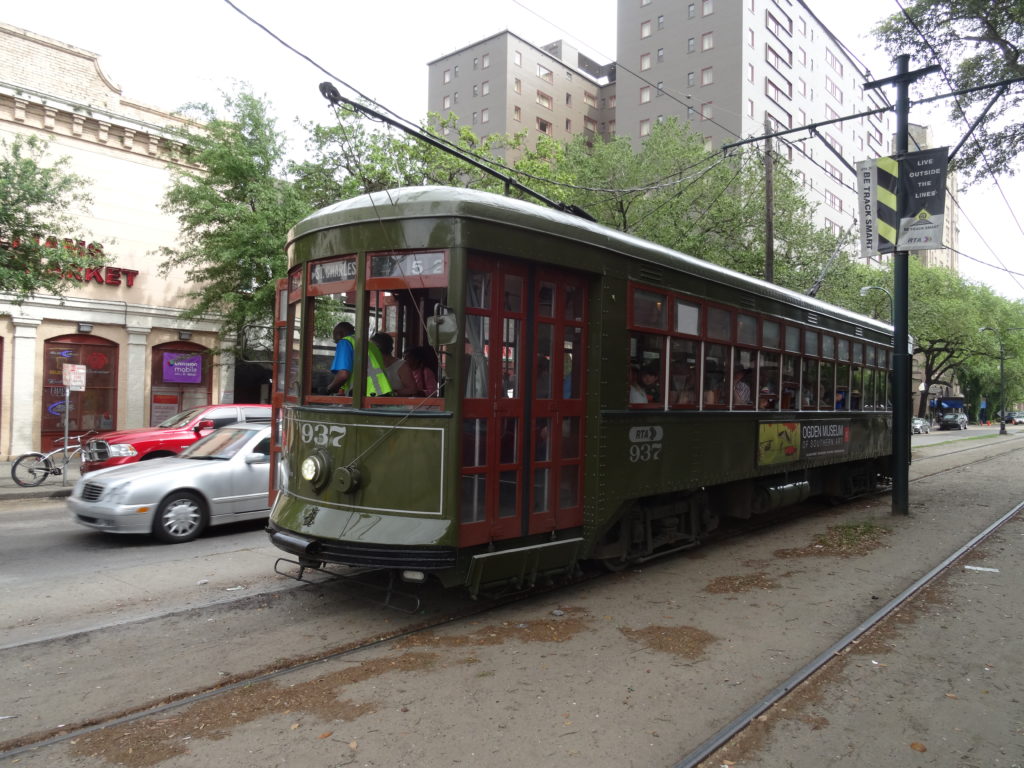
(522, 429)
(557, 406)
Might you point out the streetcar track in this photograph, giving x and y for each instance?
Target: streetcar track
(735, 727)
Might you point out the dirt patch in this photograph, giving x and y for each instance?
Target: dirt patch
(747, 583)
(852, 540)
(687, 642)
(556, 629)
(152, 740)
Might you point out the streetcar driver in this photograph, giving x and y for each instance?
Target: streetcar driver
(344, 355)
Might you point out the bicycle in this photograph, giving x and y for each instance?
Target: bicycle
(31, 469)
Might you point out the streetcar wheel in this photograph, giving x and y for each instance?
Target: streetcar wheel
(31, 470)
(181, 517)
(615, 564)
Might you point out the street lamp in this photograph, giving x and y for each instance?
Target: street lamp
(1002, 374)
(864, 292)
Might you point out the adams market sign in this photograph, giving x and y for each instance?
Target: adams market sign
(105, 275)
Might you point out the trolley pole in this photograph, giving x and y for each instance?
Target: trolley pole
(901, 337)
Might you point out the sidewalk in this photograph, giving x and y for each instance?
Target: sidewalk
(53, 487)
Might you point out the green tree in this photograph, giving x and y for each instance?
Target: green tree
(235, 209)
(38, 203)
(977, 42)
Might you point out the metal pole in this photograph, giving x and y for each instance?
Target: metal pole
(900, 321)
(1002, 388)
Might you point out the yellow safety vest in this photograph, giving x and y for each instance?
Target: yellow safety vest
(376, 378)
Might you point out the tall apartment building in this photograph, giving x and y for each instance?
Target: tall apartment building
(731, 68)
(504, 84)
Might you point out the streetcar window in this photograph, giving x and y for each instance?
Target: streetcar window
(645, 354)
(746, 329)
(650, 310)
(869, 358)
(792, 339)
(770, 334)
(828, 347)
(856, 388)
(811, 342)
(868, 400)
(572, 355)
(743, 384)
(510, 345)
(827, 386)
(809, 395)
(768, 382)
(843, 349)
(842, 387)
(478, 290)
(716, 364)
(546, 300)
(687, 318)
(542, 379)
(682, 382)
(477, 342)
(790, 382)
(573, 298)
(719, 324)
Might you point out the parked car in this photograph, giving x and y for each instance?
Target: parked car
(920, 426)
(222, 478)
(953, 421)
(167, 438)
(1015, 417)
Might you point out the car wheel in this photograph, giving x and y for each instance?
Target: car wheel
(181, 517)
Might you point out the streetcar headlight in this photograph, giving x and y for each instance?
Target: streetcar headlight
(311, 468)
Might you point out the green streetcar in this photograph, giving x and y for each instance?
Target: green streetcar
(597, 397)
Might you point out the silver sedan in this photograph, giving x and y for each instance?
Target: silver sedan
(222, 478)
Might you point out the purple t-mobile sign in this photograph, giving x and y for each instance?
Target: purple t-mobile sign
(183, 369)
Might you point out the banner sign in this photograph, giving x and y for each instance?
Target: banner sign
(182, 368)
(867, 180)
(922, 199)
(888, 177)
(785, 442)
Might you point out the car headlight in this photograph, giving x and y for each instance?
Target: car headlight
(122, 450)
(115, 493)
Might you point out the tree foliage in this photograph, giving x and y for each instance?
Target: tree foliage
(235, 209)
(977, 42)
(38, 206)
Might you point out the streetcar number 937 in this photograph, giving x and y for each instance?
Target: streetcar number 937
(322, 434)
(645, 443)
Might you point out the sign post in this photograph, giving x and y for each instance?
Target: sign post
(74, 381)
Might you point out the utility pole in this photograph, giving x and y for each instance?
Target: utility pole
(901, 279)
(769, 206)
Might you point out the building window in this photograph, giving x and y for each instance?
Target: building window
(661, 55)
(447, 75)
(645, 61)
(691, 11)
(474, 118)
(645, 128)
(486, 60)
(750, 37)
(590, 99)
(517, 114)
(750, 107)
(544, 100)
(476, 62)
(691, 45)
(446, 103)
(476, 90)
(568, 99)
(485, 115)
(833, 61)
(707, 76)
(589, 125)
(645, 29)
(545, 74)
(543, 126)
(485, 87)
(776, 92)
(660, 88)
(661, 22)
(707, 8)
(777, 27)
(455, 98)
(455, 71)
(833, 200)
(707, 41)
(645, 94)
(750, 73)
(568, 125)
(517, 85)
(706, 112)
(517, 58)
(834, 90)
(780, 61)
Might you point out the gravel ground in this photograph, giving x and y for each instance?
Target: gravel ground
(638, 668)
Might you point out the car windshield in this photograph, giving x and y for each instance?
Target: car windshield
(221, 444)
(951, 417)
(179, 419)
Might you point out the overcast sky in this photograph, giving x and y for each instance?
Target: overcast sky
(193, 49)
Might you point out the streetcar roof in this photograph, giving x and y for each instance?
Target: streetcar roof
(440, 201)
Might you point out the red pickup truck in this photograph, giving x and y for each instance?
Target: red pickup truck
(167, 438)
